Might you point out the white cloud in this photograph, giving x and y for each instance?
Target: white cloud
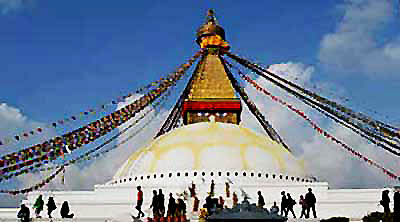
(10, 115)
(13, 122)
(78, 176)
(322, 157)
(354, 45)
(102, 169)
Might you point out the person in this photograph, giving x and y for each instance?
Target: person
(185, 195)
(212, 187)
(182, 207)
(154, 204)
(261, 202)
(283, 204)
(51, 206)
(274, 209)
(177, 208)
(290, 204)
(161, 201)
(192, 190)
(24, 213)
(235, 199)
(38, 206)
(385, 201)
(171, 206)
(303, 204)
(221, 202)
(65, 211)
(196, 204)
(227, 191)
(396, 209)
(310, 201)
(139, 201)
(209, 204)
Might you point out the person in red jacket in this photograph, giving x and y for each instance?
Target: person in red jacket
(139, 202)
(304, 206)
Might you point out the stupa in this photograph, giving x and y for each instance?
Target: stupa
(212, 145)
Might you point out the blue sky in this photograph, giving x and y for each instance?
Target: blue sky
(59, 58)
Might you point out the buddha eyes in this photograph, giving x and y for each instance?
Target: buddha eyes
(219, 114)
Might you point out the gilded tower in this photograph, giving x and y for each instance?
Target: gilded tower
(211, 96)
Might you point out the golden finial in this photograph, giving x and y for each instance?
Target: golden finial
(211, 16)
(210, 12)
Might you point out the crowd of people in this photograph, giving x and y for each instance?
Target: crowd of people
(38, 206)
(178, 207)
(287, 204)
(307, 204)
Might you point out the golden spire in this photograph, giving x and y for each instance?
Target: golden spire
(211, 81)
(212, 94)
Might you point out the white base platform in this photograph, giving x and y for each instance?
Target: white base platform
(115, 200)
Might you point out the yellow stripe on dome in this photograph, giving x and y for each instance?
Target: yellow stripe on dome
(220, 135)
(243, 157)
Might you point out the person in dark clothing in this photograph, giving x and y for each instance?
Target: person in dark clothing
(51, 206)
(171, 206)
(212, 187)
(24, 213)
(209, 204)
(261, 202)
(283, 204)
(65, 211)
(181, 207)
(274, 209)
(396, 209)
(38, 206)
(139, 201)
(385, 201)
(192, 190)
(161, 202)
(310, 201)
(154, 203)
(290, 204)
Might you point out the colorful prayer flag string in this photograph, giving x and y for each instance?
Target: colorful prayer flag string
(94, 130)
(36, 186)
(388, 143)
(369, 125)
(86, 155)
(316, 127)
(84, 114)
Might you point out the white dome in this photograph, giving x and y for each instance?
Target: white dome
(211, 146)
